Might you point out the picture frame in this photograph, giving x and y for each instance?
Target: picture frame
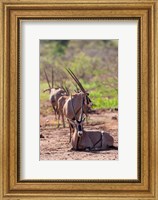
(12, 14)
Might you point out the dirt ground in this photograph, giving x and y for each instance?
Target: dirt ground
(54, 145)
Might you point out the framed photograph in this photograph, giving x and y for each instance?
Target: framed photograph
(79, 100)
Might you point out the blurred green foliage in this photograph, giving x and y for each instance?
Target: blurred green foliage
(94, 62)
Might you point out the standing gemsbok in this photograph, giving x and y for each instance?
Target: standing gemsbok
(60, 104)
(72, 106)
(90, 140)
(54, 94)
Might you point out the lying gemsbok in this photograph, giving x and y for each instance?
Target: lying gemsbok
(90, 140)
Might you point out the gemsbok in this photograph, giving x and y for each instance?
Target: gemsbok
(61, 102)
(72, 106)
(89, 140)
(55, 94)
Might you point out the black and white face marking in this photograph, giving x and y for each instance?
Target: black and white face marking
(79, 129)
(78, 126)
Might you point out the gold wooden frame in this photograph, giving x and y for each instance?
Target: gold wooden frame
(11, 14)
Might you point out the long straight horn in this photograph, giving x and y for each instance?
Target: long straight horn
(76, 80)
(52, 78)
(47, 79)
(67, 90)
(62, 87)
(77, 89)
(72, 75)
